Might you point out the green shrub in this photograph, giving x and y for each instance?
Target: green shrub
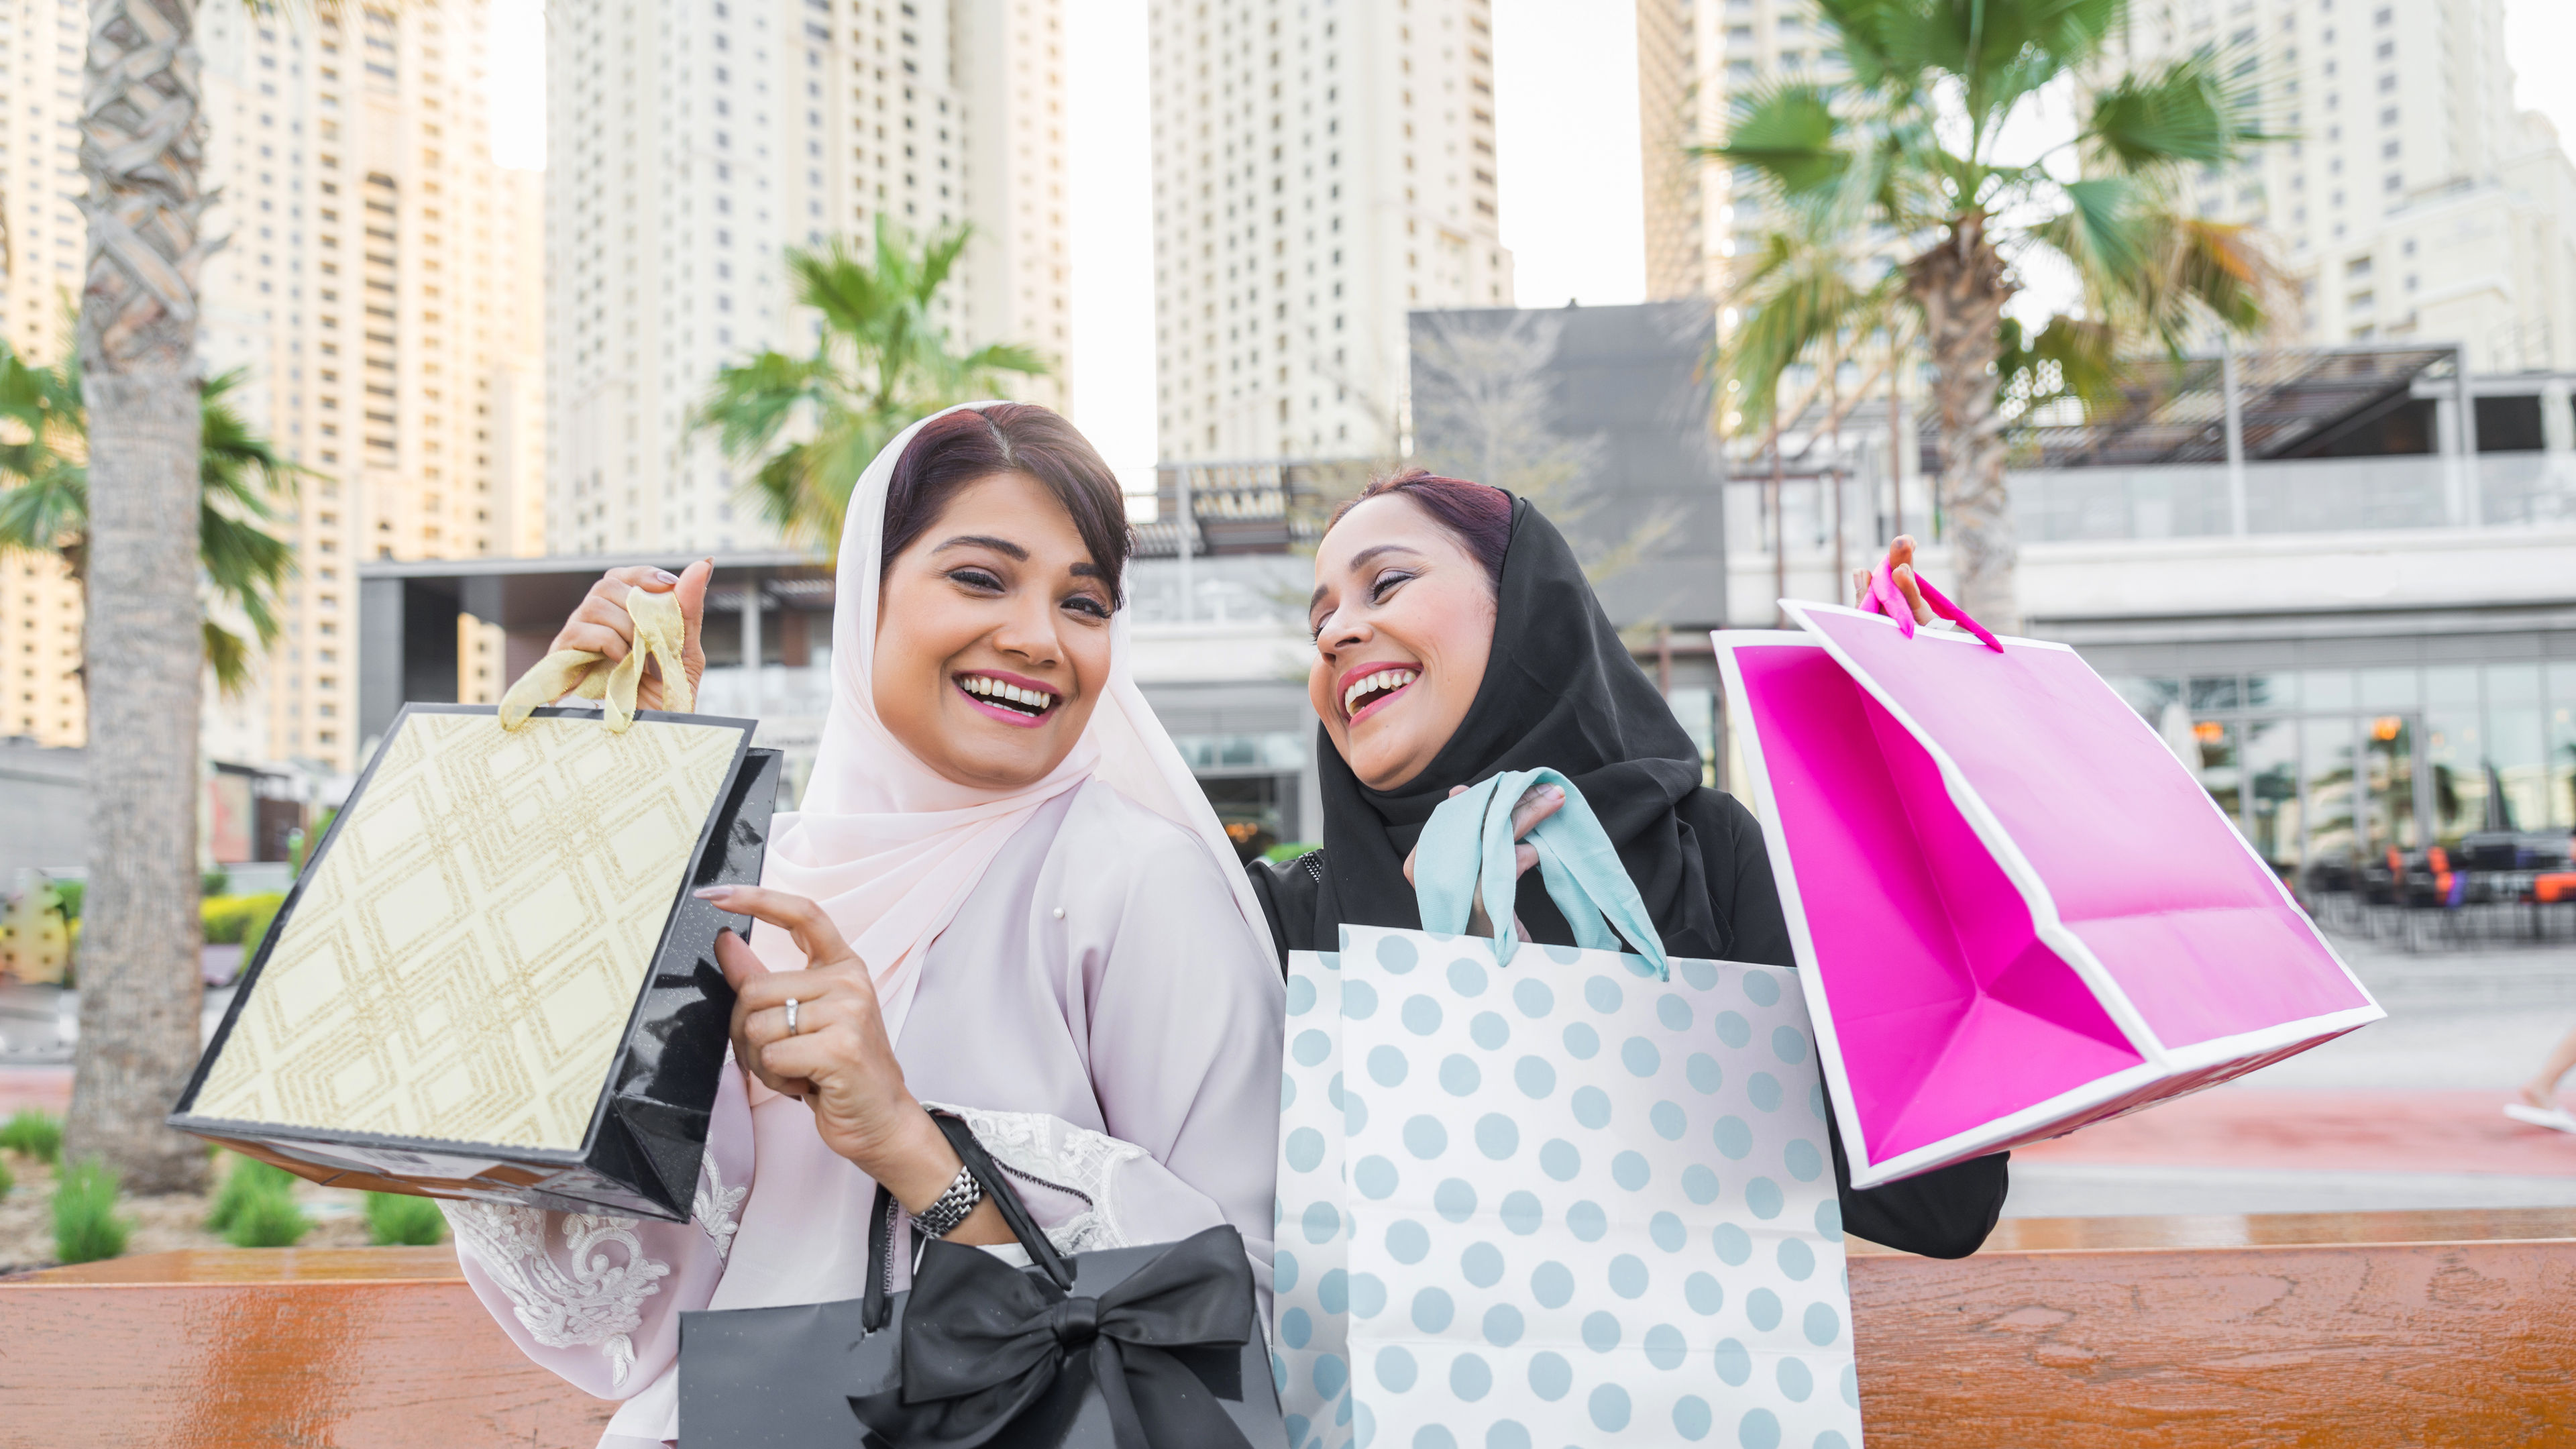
(69, 892)
(267, 1220)
(6, 1181)
(86, 1227)
(250, 1181)
(1288, 851)
(399, 1219)
(35, 1133)
(215, 882)
(238, 920)
(263, 911)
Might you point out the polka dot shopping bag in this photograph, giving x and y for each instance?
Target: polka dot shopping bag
(1539, 1196)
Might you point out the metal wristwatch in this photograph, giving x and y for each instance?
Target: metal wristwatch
(951, 1208)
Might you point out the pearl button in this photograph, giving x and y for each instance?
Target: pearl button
(1059, 913)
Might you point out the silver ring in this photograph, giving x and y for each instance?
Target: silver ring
(791, 1016)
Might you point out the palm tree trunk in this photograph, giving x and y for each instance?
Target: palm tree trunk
(141, 145)
(1962, 287)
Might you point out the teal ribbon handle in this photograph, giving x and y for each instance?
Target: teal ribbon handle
(1466, 846)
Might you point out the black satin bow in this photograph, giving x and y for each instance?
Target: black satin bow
(987, 1348)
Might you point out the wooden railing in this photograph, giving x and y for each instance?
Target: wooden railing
(2347, 1330)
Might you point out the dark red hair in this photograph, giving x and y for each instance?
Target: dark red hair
(1477, 515)
(952, 451)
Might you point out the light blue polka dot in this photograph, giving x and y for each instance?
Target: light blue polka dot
(1764, 1089)
(1466, 977)
(1354, 1114)
(1664, 1346)
(1851, 1384)
(1609, 1406)
(1458, 1075)
(1797, 1259)
(1667, 1231)
(1454, 1199)
(1311, 1048)
(1481, 1264)
(1558, 1159)
(1829, 1220)
(1673, 1012)
(1734, 1245)
(1278, 1212)
(1396, 1369)
(1534, 1077)
(1425, 1138)
(1669, 1120)
(1295, 1328)
(1333, 1091)
(1279, 1379)
(1363, 1425)
(1823, 1324)
(1733, 1136)
(1592, 1107)
(1587, 1221)
(1421, 1015)
(1796, 1379)
(1522, 1213)
(1562, 955)
(1816, 1101)
(1703, 1293)
(1387, 1066)
(1333, 1292)
(1640, 1057)
(1804, 1162)
(1831, 1440)
(1359, 1001)
(1704, 1073)
(1489, 1031)
(1699, 1183)
(1602, 994)
(1760, 1429)
(1552, 1284)
(1287, 1091)
(1761, 988)
(1470, 1377)
(1497, 1136)
(1375, 1177)
(1600, 1331)
(1368, 1295)
(1283, 1270)
(1550, 1376)
(1331, 1374)
(1432, 1436)
(1734, 1363)
(1582, 1042)
(1701, 974)
(1733, 1029)
(1407, 1241)
(1533, 998)
(1630, 1171)
(1507, 1434)
(1762, 1309)
(1503, 1325)
(1432, 1310)
(1628, 1276)
(1789, 1044)
(1691, 1417)
(1305, 1149)
(1322, 1222)
(1763, 1196)
(1301, 995)
(1396, 954)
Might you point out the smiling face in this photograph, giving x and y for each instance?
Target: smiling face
(1404, 622)
(992, 641)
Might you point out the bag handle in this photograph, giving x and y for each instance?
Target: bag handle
(875, 1308)
(1467, 845)
(1884, 597)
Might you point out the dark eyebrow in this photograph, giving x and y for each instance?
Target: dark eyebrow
(982, 540)
(1087, 571)
(1359, 561)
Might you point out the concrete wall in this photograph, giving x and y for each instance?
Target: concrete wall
(44, 810)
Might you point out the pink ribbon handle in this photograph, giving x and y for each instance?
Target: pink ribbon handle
(1885, 597)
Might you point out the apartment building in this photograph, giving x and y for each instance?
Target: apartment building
(1319, 172)
(690, 146)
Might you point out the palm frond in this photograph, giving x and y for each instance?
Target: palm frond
(2188, 113)
(1787, 133)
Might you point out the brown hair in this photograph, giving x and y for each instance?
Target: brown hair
(1477, 515)
(956, 449)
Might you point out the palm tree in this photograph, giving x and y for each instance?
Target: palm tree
(1907, 152)
(879, 363)
(44, 501)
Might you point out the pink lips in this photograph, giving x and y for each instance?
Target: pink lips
(994, 711)
(1383, 700)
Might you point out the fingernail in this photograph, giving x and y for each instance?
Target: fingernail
(714, 893)
(1552, 792)
(666, 576)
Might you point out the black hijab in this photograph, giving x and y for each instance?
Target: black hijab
(1560, 691)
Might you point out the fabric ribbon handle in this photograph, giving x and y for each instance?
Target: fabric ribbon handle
(1884, 597)
(1466, 847)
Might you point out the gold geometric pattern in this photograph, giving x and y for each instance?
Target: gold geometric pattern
(465, 956)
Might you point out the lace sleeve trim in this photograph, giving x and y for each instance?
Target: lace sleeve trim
(1052, 1152)
(589, 1299)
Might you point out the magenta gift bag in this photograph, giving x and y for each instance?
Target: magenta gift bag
(2015, 911)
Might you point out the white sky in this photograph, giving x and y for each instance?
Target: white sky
(1565, 80)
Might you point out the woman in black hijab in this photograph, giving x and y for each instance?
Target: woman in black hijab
(1456, 639)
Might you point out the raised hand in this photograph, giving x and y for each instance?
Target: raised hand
(1536, 804)
(601, 625)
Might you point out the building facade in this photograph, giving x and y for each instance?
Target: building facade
(1318, 172)
(691, 145)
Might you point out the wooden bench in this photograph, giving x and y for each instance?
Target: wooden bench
(2346, 1330)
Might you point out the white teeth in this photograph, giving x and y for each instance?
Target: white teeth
(977, 684)
(1384, 679)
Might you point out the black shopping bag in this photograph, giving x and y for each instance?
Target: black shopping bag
(1153, 1347)
(491, 980)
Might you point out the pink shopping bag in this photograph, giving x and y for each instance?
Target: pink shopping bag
(2015, 911)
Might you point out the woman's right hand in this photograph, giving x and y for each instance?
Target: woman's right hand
(1536, 804)
(602, 626)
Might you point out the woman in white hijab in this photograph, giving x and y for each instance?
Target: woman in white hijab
(1004, 894)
